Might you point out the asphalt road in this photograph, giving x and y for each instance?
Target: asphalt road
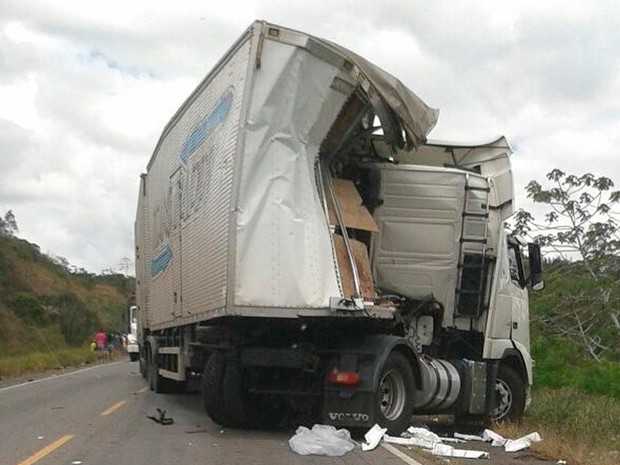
(98, 416)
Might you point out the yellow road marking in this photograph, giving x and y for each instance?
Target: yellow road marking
(46, 450)
(113, 408)
(144, 389)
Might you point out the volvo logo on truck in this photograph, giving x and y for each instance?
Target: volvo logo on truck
(348, 416)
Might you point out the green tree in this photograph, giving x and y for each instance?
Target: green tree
(580, 228)
(8, 224)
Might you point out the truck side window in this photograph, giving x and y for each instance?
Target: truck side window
(515, 264)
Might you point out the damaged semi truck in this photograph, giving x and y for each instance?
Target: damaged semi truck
(301, 246)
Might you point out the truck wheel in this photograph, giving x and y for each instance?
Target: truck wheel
(142, 364)
(133, 357)
(212, 387)
(509, 395)
(394, 394)
(246, 409)
(239, 416)
(157, 383)
(149, 369)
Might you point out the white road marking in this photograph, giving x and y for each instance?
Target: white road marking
(401, 455)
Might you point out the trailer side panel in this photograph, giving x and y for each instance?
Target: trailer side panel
(190, 193)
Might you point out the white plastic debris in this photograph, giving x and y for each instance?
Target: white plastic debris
(321, 440)
(423, 434)
(496, 440)
(373, 437)
(417, 437)
(521, 443)
(468, 437)
(444, 450)
(453, 440)
(436, 445)
(421, 437)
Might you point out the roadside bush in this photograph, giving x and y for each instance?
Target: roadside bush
(28, 308)
(77, 322)
(4, 270)
(560, 365)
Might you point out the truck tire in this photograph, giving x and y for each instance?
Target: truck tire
(235, 399)
(509, 395)
(393, 400)
(133, 357)
(212, 387)
(245, 409)
(142, 365)
(157, 383)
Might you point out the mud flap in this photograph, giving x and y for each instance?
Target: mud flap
(348, 408)
(353, 406)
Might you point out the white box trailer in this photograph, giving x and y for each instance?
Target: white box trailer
(299, 241)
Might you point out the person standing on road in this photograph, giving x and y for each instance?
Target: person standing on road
(100, 339)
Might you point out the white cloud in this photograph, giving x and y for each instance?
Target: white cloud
(87, 87)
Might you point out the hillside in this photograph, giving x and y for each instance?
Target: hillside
(45, 306)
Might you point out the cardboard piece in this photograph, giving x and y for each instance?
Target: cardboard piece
(360, 255)
(354, 213)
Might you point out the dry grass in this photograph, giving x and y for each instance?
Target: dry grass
(44, 361)
(579, 428)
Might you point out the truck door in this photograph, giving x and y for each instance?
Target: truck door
(509, 311)
(520, 331)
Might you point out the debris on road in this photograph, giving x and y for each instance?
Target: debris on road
(444, 450)
(161, 419)
(521, 443)
(496, 440)
(327, 440)
(373, 437)
(422, 437)
(322, 440)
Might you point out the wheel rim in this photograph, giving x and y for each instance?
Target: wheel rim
(503, 399)
(392, 394)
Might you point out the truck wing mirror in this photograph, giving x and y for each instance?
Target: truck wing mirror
(536, 272)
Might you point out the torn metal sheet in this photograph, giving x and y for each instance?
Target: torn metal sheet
(416, 117)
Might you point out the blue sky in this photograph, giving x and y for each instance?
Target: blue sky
(87, 87)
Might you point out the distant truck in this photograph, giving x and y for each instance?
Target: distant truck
(301, 246)
(131, 339)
